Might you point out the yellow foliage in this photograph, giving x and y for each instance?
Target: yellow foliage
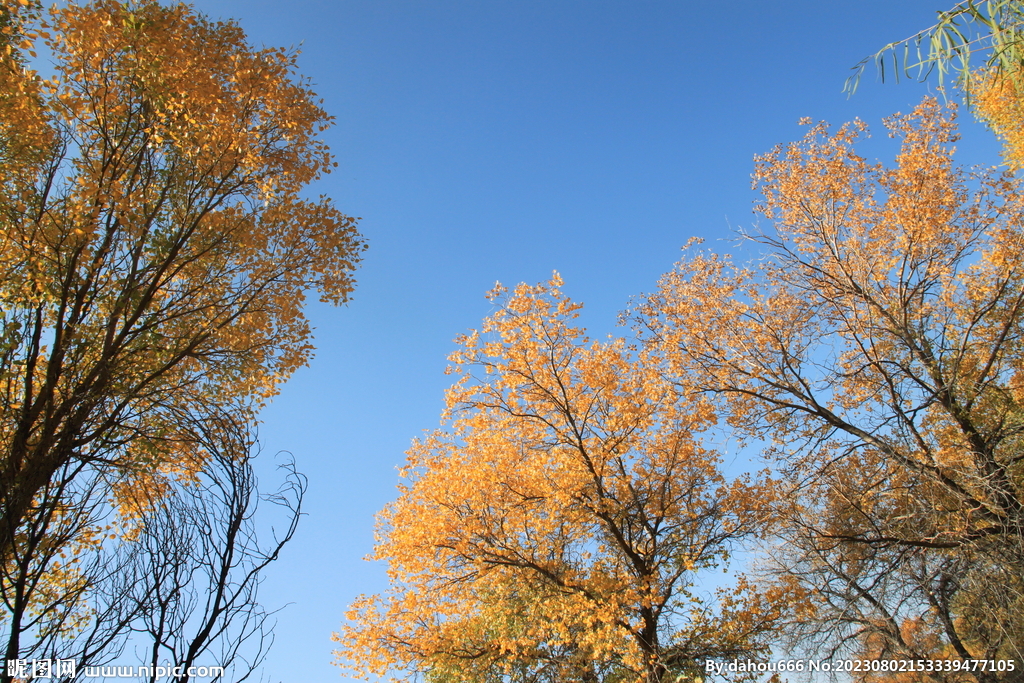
(997, 101)
(155, 249)
(561, 518)
(876, 346)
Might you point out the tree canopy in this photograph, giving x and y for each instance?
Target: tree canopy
(877, 343)
(156, 248)
(556, 528)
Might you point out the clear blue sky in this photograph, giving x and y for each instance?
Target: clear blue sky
(494, 140)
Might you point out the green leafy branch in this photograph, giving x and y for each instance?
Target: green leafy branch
(992, 27)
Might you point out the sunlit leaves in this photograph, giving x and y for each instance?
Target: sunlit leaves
(156, 246)
(558, 523)
(876, 344)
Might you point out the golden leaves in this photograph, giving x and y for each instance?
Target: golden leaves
(155, 253)
(560, 516)
(875, 345)
(997, 101)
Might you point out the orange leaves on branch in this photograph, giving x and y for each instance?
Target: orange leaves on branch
(558, 523)
(997, 101)
(189, 86)
(155, 249)
(875, 346)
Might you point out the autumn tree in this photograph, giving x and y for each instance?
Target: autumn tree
(876, 346)
(556, 529)
(155, 252)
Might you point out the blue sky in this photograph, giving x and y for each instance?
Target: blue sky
(497, 140)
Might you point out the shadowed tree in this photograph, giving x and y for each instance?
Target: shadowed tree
(154, 249)
(155, 253)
